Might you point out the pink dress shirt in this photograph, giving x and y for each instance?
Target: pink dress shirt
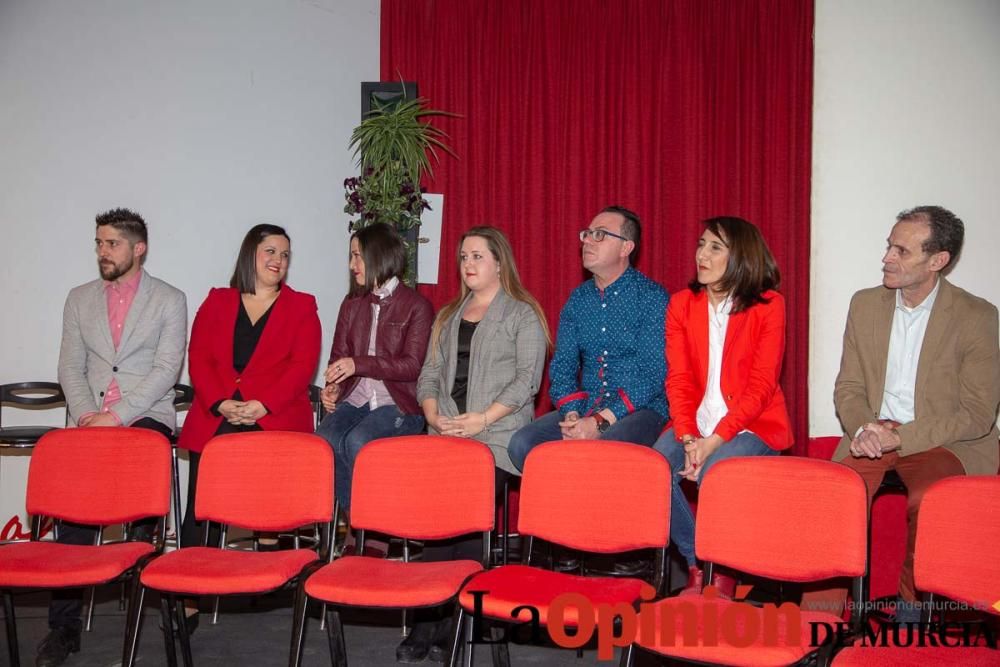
(119, 295)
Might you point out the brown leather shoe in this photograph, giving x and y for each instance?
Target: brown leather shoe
(696, 579)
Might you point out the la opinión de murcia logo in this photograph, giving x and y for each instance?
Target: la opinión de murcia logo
(15, 530)
(573, 620)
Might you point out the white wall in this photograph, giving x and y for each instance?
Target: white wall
(907, 112)
(207, 116)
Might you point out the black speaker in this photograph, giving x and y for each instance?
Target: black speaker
(376, 94)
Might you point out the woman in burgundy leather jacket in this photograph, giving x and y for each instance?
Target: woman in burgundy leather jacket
(378, 350)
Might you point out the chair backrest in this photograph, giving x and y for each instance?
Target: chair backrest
(265, 480)
(32, 394)
(596, 495)
(423, 487)
(783, 517)
(958, 535)
(99, 475)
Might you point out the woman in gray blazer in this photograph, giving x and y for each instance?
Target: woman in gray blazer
(483, 368)
(487, 351)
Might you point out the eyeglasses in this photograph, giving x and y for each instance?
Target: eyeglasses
(598, 235)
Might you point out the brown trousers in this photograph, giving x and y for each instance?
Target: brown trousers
(918, 472)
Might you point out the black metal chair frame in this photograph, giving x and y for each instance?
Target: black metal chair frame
(14, 393)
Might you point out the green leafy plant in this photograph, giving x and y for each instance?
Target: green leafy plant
(395, 145)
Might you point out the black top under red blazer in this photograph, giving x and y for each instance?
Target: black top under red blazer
(280, 371)
(404, 327)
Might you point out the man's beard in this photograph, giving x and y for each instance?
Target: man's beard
(111, 271)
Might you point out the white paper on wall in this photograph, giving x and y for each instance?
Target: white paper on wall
(429, 254)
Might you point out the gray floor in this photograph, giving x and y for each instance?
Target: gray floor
(250, 635)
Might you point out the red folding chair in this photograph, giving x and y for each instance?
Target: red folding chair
(265, 480)
(783, 518)
(958, 533)
(418, 487)
(596, 496)
(92, 476)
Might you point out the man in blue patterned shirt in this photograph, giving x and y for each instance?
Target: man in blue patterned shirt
(607, 373)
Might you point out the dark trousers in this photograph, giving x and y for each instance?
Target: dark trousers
(192, 532)
(67, 603)
(459, 548)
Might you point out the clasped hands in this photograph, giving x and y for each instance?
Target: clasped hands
(574, 427)
(336, 372)
(696, 452)
(465, 425)
(874, 440)
(242, 413)
(98, 419)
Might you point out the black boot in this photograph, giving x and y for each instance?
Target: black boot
(417, 644)
(441, 642)
(57, 646)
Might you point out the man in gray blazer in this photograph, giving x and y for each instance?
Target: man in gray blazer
(122, 349)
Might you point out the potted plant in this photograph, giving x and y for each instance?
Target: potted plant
(394, 146)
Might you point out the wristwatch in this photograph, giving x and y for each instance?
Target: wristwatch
(602, 424)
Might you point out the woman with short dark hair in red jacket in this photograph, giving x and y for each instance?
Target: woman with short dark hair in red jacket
(253, 354)
(725, 343)
(378, 350)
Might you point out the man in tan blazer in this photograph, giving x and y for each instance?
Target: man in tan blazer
(919, 380)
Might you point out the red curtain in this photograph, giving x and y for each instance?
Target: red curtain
(677, 109)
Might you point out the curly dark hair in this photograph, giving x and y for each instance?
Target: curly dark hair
(128, 222)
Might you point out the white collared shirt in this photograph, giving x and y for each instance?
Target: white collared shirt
(907, 337)
(713, 405)
(369, 390)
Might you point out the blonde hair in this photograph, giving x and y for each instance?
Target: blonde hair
(510, 281)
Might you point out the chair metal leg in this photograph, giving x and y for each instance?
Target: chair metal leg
(215, 611)
(11, 623)
(178, 610)
(298, 626)
(506, 519)
(469, 646)
(176, 493)
(335, 635)
(168, 631)
(90, 610)
(452, 660)
(500, 651)
(133, 622)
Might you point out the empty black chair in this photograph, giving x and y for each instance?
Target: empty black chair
(32, 396)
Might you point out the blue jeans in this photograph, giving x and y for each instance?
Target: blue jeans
(348, 429)
(641, 427)
(681, 518)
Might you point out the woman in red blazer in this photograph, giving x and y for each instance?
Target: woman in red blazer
(725, 343)
(254, 350)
